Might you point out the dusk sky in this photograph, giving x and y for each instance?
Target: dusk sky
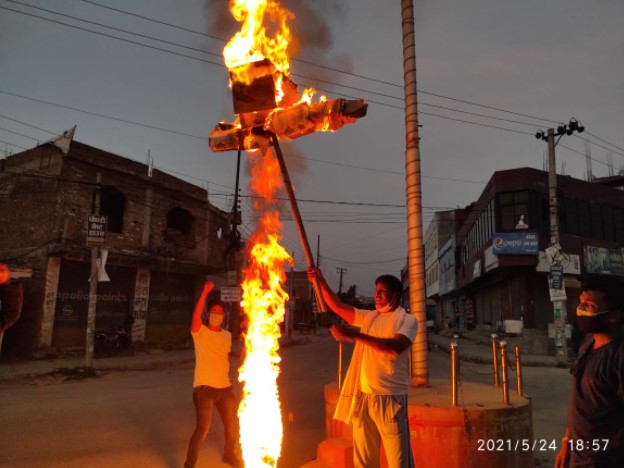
(490, 74)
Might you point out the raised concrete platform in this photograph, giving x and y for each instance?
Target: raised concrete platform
(480, 432)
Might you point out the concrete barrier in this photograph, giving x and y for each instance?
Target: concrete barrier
(481, 432)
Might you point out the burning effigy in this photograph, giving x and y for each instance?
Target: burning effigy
(268, 108)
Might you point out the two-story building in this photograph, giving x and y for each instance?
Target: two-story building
(162, 237)
(502, 267)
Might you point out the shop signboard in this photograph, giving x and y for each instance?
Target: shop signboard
(515, 243)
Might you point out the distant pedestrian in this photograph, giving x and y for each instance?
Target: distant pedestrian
(374, 394)
(211, 386)
(594, 436)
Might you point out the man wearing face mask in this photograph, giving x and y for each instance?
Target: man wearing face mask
(211, 385)
(374, 393)
(594, 436)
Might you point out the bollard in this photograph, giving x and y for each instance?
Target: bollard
(503, 348)
(495, 359)
(454, 374)
(339, 379)
(518, 372)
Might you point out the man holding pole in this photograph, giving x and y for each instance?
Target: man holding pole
(374, 394)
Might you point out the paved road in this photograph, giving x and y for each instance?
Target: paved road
(145, 418)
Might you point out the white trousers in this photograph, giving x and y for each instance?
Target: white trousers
(382, 419)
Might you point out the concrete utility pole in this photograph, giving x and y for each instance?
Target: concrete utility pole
(420, 370)
(341, 271)
(554, 251)
(93, 285)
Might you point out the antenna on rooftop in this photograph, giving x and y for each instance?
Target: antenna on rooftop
(610, 164)
(590, 176)
(150, 163)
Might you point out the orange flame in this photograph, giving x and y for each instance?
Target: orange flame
(264, 34)
(264, 304)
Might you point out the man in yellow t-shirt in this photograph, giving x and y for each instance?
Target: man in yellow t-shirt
(211, 384)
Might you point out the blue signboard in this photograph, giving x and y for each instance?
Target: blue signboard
(556, 277)
(515, 243)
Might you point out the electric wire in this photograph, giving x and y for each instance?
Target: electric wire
(486, 116)
(199, 50)
(337, 84)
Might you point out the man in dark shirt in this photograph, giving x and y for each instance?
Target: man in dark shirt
(595, 429)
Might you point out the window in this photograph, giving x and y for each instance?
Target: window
(618, 222)
(180, 221)
(113, 205)
(570, 216)
(584, 219)
(597, 231)
(512, 206)
(607, 223)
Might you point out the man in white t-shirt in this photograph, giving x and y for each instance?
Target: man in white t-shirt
(378, 373)
(211, 385)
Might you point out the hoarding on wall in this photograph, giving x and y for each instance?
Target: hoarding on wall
(515, 243)
(604, 261)
(72, 299)
(96, 229)
(170, 307)
(171, 298)
(571, 264)
(231, 294)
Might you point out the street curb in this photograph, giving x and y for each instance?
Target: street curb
(141, 361)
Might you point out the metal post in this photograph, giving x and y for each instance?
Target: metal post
(495, 359)
(503, 349)
(518, 372)
(298, 221)
(454, 374)
(339, 378)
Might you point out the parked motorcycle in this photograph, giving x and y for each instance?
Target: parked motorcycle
(112, 341)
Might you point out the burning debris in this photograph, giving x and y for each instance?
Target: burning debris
(256, 104)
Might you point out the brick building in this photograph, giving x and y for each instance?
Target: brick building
(512, 284)
(163, 237)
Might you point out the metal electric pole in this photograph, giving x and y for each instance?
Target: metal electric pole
(554, 252)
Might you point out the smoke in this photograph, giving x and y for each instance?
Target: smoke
(219, 20)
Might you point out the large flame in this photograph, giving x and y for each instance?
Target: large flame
(264, 34)
(264, 304)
